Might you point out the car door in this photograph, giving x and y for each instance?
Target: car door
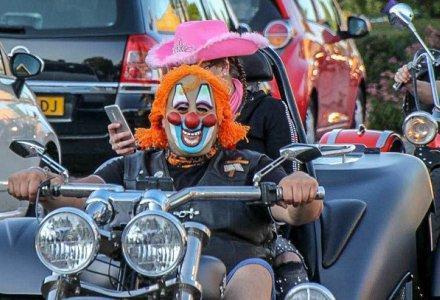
(336, 74)
(17, 121)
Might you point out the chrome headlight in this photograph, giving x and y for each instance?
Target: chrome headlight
(309, 291)
(153, 243)
(420, 128)
(67, 241)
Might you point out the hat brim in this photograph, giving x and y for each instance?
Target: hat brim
(227, 45)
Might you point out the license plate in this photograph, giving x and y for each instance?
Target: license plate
(51, 105)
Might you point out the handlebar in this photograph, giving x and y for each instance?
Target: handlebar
(268, 193)
(397, 86)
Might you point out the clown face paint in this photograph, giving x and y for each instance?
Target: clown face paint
(191, 123)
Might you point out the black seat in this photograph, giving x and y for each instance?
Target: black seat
(257, 67)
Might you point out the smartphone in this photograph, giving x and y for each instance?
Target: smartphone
(115, 115)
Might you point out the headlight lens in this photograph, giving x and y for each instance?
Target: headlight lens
(420, 128)
(153, 243)
(309, 291)
(67, 241)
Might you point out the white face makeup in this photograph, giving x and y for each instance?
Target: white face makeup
(191, 123)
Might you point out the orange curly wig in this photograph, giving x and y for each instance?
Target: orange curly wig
(229, 132)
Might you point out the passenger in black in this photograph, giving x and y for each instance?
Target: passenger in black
(192, 129)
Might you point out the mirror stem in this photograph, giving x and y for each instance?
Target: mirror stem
(414, 30)
(56, 167)
(17, 86)
(267, 169)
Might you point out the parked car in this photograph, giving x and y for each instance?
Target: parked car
(20, 118)
(315, 42)
(94, 51)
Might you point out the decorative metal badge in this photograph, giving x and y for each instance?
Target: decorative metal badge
(232, 166)
(186, 213)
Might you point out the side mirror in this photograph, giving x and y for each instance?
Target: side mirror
(243, 28)
(357, 28)
(400, 15)
(300, 152)
(24, 65)
(28, 148)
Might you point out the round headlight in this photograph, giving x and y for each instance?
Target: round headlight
(420, 128)
(309, 291)
(67, 241)
(153, 243)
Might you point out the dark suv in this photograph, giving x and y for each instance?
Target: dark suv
(94, 53)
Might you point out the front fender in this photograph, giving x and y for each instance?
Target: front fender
(21, 272)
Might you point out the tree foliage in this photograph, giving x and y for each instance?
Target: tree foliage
(428, 8)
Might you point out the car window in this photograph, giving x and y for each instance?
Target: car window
(163, 15)
(217, 10)
(58, 14)
(307, 9)
(256, 13)
(328, 14)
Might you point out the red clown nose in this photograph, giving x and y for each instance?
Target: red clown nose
(192, 120)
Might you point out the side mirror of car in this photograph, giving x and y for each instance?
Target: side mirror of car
(357, 27)
(24, 65)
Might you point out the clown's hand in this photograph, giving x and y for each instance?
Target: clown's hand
(298, 189)
(299, 205)
(123, 142)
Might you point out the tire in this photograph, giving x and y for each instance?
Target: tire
(435, 181)
(310, 123)
(359, 110)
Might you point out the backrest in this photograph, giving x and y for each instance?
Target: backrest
(257, 67)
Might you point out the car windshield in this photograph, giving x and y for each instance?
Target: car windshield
(42, 15)
(256, 13)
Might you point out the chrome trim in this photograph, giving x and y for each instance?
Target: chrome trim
(333, 135)
(138, 88)
(310, 286)
(178, 226)
(93, 227)
(73, 87)
(420, 114)
(84, 137)
(383, 138)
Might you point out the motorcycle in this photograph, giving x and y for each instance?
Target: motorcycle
(150, 253)
(372, 241)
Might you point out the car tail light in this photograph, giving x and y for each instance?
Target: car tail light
(134, 67)
(278, 33)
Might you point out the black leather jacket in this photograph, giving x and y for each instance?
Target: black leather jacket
(238, 231)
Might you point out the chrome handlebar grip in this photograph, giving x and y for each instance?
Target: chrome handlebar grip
(3, 186)
(397, 86)
(320, 194)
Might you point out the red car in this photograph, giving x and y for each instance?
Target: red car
(315, 42)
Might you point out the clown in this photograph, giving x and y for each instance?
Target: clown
(192, 139)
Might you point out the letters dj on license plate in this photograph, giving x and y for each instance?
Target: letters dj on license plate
(51, 105)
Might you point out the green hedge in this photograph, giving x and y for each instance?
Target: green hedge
(384, 50)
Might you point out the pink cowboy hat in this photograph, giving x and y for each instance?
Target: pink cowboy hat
(198, 41)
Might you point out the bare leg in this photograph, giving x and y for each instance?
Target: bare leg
(253, 282)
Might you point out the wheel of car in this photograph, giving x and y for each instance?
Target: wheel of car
(310, 123)
(359, 110)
